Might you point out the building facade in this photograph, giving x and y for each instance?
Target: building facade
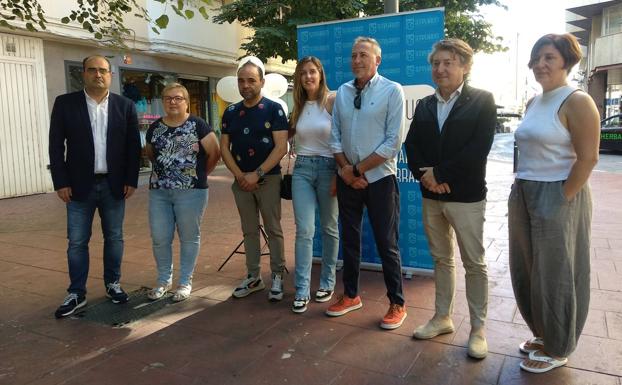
(37, 67)
(598, 26)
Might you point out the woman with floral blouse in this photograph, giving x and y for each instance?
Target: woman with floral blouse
(183, 150)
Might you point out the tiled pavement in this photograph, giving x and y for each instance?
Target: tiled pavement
(213, 339)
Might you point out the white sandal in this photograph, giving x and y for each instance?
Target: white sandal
(182, 293)
(158, 291)
(552, 362)
(534, 341)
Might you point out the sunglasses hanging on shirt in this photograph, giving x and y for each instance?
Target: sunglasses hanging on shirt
(357, 99)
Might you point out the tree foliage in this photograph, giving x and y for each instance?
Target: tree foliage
(104, 19)
(275, 21)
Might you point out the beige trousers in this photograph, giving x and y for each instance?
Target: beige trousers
(441, 220)
(267, 201)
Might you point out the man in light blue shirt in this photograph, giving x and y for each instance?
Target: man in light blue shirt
(367, 136)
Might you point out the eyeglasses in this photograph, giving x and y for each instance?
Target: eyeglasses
(101, 71)
(176, 99)
(357, 99)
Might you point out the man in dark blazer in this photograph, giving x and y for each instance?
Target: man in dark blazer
(447, 146)
(94, 160)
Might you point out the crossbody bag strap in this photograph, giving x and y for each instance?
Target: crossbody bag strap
(289, 155)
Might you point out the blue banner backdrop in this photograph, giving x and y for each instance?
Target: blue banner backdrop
(406, 40)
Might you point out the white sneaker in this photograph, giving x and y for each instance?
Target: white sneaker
(323, 295)
(182, 293)
(276, 292)
(249, 285)
(300, 305)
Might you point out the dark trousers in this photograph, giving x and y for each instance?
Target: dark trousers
(382, 199)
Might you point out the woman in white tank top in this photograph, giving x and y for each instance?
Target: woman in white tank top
(313, 181)
(550, 207)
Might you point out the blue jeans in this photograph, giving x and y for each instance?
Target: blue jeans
(79, 223)
(182, 209)
(311, 182)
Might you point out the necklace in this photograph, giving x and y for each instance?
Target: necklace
(308, 104)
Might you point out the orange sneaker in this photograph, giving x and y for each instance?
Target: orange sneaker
(344, 305)
(394, 317)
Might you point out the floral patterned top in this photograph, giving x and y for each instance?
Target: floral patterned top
(180, 160)
(250, 132)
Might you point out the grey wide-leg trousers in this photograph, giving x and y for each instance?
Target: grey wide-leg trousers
(550, 260)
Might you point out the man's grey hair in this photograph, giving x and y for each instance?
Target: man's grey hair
(374, 43)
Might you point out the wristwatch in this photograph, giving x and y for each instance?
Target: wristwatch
(260, 173)
(355, 171)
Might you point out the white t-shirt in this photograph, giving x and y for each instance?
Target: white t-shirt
(313, 131)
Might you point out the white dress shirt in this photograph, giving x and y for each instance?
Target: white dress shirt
(443, 107)
(98, 115)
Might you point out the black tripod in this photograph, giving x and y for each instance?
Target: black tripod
(237, 248)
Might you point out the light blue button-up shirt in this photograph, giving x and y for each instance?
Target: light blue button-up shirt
(377, 127)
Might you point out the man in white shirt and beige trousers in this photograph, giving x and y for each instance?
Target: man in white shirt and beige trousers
(447, 147)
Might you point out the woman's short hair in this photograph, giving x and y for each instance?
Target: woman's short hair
(174, 86)
(566, 44)
(456, 46)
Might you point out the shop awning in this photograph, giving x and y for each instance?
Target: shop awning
(606, 68)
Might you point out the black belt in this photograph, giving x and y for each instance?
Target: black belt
(100, 176)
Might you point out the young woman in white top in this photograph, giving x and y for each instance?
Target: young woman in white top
(550, 207)
(313, 181)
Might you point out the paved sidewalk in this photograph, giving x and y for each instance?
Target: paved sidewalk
(213, 339)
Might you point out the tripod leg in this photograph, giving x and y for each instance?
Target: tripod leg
(235, 251)
(265, 236)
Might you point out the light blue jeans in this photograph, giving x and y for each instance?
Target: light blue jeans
(181, 209)
(311, 182)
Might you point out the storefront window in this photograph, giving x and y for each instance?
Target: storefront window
(614, 100)
(198, 90)
(144, 88)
